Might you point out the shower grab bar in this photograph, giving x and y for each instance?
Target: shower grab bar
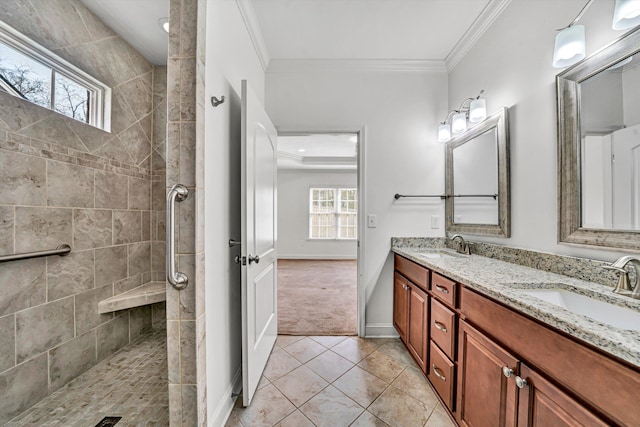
(61, 250)
(178, 193)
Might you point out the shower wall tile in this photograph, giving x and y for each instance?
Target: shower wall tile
(127, 284)
(7, 342)
(188, 154)
(69, 185)
(42, 327)
(26, 384)
(111, 264)
(112, 190)
(188, 90)
(127, 227)
(91, 228)
(139, 194)
(28, 285)
(139, 258)
(175, 404)
(159, 315)
(112, 336)
(6, 229)
(158, 256)
(146, 225)
(139, 321)
(42, 228)
(187, 223)
(69, 275)
(71, 359)
(173, 357)
(87, 316)
(22, 178)
(187, 265)
(188, 351)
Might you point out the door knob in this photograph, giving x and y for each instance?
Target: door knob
(254, 258)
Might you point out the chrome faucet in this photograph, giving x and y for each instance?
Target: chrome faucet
(462, 247)
(624, 285)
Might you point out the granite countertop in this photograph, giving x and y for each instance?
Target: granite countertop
(505, 282)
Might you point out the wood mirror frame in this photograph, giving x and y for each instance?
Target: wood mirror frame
(568, 82)
(500, 122)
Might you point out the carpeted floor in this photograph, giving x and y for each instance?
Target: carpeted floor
(317, 297)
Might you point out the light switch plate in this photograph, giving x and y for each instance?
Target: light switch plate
(435, 221)
(372, 221)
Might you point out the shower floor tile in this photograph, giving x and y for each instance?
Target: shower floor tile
(131, 384)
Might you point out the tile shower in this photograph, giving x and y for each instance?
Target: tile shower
(62, 181)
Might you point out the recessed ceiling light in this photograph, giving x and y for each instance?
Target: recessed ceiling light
(164, 24)
(301, 150)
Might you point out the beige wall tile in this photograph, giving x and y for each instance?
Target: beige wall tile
(188, 154)
(139, 321)
(26, 384)
(112, 336)
(42, 228)
(127, 227)
(111, 190)
(42, 327)
(158, 256)
(27, 279)
(136, 142)
(173, 351)
(187, 265)
(71, 359)
(159, 315)
(188, 90)
(70, 274)
(91, 228)
(146, 225)
(189, 406)
(110, 264)
(187, 223)
(69, 185)
(6, 229)
(139, 258)
(7, 342)
(188, 351)
(22, 178)
(127, 284)
(87, 316)
(139, 194)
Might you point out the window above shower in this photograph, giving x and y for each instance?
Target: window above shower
(35, 74)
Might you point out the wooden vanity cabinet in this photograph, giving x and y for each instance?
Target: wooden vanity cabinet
(400, 305)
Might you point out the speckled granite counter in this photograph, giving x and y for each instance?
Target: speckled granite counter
(505, 282)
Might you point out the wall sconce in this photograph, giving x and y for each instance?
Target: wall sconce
(626, 14)
(475, 112)
(569, 47)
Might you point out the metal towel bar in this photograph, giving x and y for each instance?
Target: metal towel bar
(61, 250)
(177, 193)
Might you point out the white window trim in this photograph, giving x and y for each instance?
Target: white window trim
(336, 213)
(100, 107)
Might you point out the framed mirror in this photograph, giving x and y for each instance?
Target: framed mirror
(477, 179)
(599, 148)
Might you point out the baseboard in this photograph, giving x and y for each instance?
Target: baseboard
(320, 257)
(380, 330)
(223, 410)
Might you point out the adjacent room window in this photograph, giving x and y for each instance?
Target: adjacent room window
(333, 213)
(31, 72)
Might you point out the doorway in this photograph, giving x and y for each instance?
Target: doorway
(318, 227)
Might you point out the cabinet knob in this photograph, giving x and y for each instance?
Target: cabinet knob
(507, 371)
(521, 382)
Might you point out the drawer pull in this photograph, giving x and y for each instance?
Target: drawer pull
(438, 373)
(440, 326)
(507, 371)
(442, 289)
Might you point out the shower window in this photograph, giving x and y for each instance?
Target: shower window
(333, 213)
(33, 73)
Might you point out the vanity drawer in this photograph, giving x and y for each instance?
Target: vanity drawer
(441, 371)
(444, 289)
(442, 327)
(412, 271)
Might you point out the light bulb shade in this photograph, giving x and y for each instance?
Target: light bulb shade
(477, 110)
(626, 14)
(569, 47)
(459, 123)
(444, 132)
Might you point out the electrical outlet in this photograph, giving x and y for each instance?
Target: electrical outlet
(435, 221)
(372, 221)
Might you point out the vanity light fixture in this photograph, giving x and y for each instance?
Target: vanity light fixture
(474, 112)
(626, 14)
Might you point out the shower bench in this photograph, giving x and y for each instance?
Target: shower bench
(149, 293)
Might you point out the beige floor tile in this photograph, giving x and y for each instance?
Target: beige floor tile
(305, 349)
(382, 366)
(354, 349)
(296, 419)
(329, 341)
(268, 407)
(360, 386)
(397, 351)
(300, 385)
(234, 419)
(329, 365)
(398, 409)
(263, 382)
(331, 408)
(279, 364)
(413, 382)
(367, 419)
(286, 340)
(439, 418)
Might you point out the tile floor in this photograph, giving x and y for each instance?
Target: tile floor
(131, 384)
(341, 381)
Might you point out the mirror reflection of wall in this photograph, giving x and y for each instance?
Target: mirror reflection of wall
(610, 147)
(475, 172)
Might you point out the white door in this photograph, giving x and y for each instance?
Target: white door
(259, 285)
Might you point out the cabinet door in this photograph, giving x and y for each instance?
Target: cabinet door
(417, 335)
(486, 395)
(400, 305)
(543, 404)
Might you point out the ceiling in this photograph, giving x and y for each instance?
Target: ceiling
(432, 30)
(318, 151)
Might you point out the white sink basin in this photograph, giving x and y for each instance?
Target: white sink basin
(616, 316)
(441, 253)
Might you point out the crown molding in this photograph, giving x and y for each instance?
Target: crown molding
(486, 18)
(353, 65)
(255, 33)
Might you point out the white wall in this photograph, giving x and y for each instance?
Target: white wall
(512, 62)
(401, 111)
(293, 214)
(230, 58)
